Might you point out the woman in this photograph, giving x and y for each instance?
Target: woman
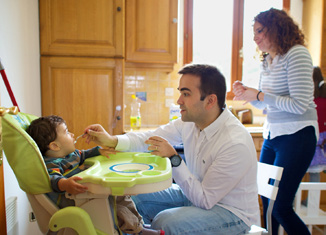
(286, 92)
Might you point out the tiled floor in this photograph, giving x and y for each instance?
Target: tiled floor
(314, 231)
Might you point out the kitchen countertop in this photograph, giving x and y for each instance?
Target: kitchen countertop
(252, 128)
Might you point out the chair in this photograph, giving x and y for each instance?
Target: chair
(93, 213)
(311, 214)
(266, 173)
(27, 163)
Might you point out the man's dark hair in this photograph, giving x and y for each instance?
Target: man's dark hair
(44, 130)
(212, 81)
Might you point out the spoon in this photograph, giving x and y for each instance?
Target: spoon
(78, 138)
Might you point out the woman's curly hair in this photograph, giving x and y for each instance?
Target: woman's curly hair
(280, 29)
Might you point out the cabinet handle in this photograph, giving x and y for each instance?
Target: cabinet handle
(116, 116)
(118, 8)
(174, 20)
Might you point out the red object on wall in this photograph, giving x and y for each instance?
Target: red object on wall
(5, 80)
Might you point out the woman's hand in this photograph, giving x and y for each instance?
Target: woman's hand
(98, 135)
(242, 92)
(160, 147)
(238, 88)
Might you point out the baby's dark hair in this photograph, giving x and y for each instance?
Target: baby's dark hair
(44, 130)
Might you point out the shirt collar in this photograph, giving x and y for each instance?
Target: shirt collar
(218, 124)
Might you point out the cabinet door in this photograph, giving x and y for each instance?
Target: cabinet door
(258, 141)
(323, 42)
(151, 31)
(83, 91)
(82, 27)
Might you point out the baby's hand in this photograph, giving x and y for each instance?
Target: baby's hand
(107, 151)
(71, 186)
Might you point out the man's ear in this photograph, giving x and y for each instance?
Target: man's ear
(211, 101)
(54, 146)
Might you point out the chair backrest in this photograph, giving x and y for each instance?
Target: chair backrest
(23, 155)
(268, 178)
(266, 173)
(26, 161)
(311, 213)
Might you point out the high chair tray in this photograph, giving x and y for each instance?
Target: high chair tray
(126, 173)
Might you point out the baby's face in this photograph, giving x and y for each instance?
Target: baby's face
(65, 139)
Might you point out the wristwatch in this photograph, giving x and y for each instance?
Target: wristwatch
(175, 160)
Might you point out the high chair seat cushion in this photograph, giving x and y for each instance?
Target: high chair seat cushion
(23, 154)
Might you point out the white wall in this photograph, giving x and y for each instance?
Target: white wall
(296, 11)
(20, 56)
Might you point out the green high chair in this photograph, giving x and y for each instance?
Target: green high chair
(93, 214)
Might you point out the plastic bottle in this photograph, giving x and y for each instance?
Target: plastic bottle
(174, 112)
(135, 117)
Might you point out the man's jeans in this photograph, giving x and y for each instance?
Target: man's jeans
(172, 212)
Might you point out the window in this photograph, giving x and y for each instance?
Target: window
(219, 32)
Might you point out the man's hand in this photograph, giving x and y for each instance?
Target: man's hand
(107, 151)
(160, 147)
(71, 186)
(98, 135)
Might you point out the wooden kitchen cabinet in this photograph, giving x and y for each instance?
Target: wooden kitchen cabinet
(82, 27)
(151, 31)
(83, 55)
(83, 91)
(314, 28)
(258, 141)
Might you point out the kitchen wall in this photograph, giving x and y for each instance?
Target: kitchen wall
(19, 53)
(154, 111)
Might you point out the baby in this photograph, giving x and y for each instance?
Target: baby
(63, 162)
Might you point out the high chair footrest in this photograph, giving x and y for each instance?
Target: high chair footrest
(72, 217)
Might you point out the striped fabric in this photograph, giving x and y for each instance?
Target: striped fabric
(288, 87)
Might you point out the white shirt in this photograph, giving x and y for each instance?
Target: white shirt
(221, 163)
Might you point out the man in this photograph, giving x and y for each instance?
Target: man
(216, 191)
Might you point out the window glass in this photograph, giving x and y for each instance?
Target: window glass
(251, 58)
(212, 34)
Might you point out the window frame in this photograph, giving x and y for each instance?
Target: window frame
(237, 38)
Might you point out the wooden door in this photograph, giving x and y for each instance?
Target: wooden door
(83, 91)
(82, 27)
(151, 31)
(323, 40)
